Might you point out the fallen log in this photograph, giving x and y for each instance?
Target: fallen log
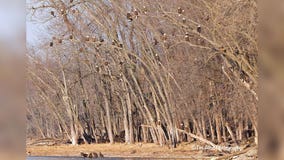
(217, 147)
(236, 153)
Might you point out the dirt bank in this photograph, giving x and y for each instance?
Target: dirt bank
(184, 150)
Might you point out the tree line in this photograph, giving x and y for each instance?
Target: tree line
(163, 71)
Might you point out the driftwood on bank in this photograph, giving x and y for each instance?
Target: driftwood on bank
(217, 147)
(239, 153)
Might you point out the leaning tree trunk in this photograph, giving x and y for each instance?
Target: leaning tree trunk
(71, 111)
(212, 131)
(125, 120)
(218, 129)
(230, 132)
(130, 119)
(109, 128)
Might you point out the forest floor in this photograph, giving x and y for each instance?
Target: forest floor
(183, 151)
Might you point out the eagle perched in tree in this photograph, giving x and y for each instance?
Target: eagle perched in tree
(129, 17)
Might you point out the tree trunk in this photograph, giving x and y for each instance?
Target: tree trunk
(224, 135)
(145, 134)
(230, 132)
(212, 130)
(218, 129)
(240, 130)
(130, 119)
(256, 135)
(203, 126)
(125, 121)
(109, 127)
(74, 135)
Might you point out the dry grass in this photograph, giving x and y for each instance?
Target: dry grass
(150, 150)
(118, 150)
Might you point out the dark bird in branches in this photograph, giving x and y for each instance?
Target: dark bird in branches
(164, 37)
(97, 68)
(101, 39)
(155, 41)
(198, 29)
(87, 38)
(183, 20)
(62, 11)
(52, 13)
(237, 52)
(179, 10)
(129, 17)
(135, 12)
(186, 37)
(223, 49)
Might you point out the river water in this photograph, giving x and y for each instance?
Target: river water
(81, 158)
(69, 158)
